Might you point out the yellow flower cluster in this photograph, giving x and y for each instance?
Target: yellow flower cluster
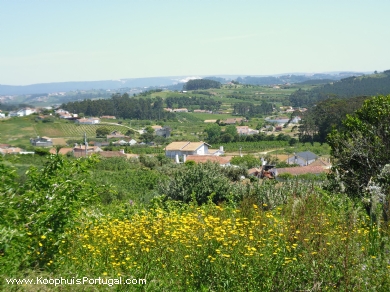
(208, 237)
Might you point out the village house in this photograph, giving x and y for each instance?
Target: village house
(10, 150)
(62, 151)
(223, 161)
(233, 121)
(41, 142)
(85, 150)
(22, 112)
(108, 117)
(88, 121)
(245, 130)
(180, 110)
(302, 158)
(186, 148)
(203, 111)
(303, 170)
(116, 134)
(163, 132)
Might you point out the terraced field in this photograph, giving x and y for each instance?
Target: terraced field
(73, 130)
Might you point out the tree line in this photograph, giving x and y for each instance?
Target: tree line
(121, 106)
(197, 84)
(248, 109)
(202, 102)
(345, 88)
(318, 121)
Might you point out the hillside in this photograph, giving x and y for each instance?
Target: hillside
(367, 85)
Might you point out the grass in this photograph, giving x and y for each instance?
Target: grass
(18, 131)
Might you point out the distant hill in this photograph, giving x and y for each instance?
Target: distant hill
(367, 85)
(87, 85)
(172, 82)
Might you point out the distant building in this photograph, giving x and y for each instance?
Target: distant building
(245, 130)
(41, 142)
(116, 134)
(223, 161)
(233, 121)
(82, 150)
(163, 132)
(180, 110)
(108, 117)
(186, 148)
(302, 158)
(89, 121)
(22, 112)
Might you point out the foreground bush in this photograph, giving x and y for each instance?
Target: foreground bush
(313, 243)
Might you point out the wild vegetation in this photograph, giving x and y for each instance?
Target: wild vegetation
(199, 227)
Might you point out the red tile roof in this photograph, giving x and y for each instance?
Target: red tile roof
(302, 170)
(212, 158)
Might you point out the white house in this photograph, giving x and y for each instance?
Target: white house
(302, 158)
(22, 112)
(186, 148)
(90, 121)
(2, 115)
(132, 142)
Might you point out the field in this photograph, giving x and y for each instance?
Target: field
(18, 131)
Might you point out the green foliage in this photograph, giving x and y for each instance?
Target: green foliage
(102, 132)
(197, 84)
(361, 150)
(213, 133)
(199, 182)
(42, 209)
(248, 161)
(41, 151)
(318, 121)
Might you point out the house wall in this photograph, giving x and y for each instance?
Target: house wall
(299, 160)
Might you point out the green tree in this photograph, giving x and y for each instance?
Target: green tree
(199, 182)
(248, 161)
(360, 151)
(102, 131)
(213, 132)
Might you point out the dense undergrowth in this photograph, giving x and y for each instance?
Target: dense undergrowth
(266, 236)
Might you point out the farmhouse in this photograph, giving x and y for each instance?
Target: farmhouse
(303, 170)
(233, 121)
(302, 158)
(186, 148)
(223, 161)
(41, 141)
(245, 130)
(85, 150)
(89, 121)
(22, 112)
(108, 117)
(163, 132)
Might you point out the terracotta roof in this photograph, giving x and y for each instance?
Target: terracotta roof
(302, 170)
(192, 146)
(63, 151)
(90, 148)
(253, 170)
(156, 127)
(108, 154)
(212, 158)
(320, 162)
(176, 145)
(10, 150)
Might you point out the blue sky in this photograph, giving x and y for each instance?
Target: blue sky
(75, 40)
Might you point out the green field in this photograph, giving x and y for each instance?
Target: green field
(18, 131)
